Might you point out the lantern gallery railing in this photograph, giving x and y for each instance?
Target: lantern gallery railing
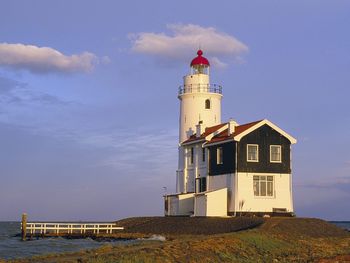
(194, 88)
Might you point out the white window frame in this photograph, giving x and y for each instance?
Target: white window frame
(266, 181)
(219, 155)
(257, 153)
(280, 153)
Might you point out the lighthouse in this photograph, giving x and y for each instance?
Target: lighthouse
(227, 169)
(200, 107)
(200, 102)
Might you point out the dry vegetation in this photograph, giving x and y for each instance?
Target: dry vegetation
(188, 225)
(217, 240)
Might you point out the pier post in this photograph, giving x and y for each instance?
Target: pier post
(24, 226)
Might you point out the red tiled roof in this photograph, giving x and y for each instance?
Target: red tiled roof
(207, 131)
(212, 129)
(241, 128)
(223, 136)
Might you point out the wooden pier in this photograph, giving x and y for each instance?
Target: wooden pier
(74, 229)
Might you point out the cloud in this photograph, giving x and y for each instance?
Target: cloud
(105, 60)
(341, 183)
(127, 149)
(136, 153)
(184, 40)
(6, 85)
(217, 63)
(16, 95)
(43, 60)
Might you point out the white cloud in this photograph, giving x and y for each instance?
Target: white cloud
(44, 59)
(184, 40)
(217, 63)
(105, 60)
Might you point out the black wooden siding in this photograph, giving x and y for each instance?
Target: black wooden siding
(228, 164)
(264, 137)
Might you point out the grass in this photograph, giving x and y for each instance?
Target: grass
(277, 240)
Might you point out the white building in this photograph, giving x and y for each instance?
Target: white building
(226, 168)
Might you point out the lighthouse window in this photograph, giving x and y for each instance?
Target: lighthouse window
(207, 104)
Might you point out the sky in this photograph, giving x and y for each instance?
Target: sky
(89, 109)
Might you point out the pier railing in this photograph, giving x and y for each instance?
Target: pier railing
(34, 229)
(71, 228)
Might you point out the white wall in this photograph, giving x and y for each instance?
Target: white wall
(212, 203)
(186, 204)
(194, 79)
(181, 158)
(173, 205)
(182, 204)
(200, 205)
(192, 106)
(231, 194)
(217, 203)
(180, 181)
(187, 173)
(192, 110)
(219, 181)
(281, 198)
(190, 180)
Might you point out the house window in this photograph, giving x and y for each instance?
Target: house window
(219, 155)
(203, 155)
(252, 153)
(201, 184)
(263, 185)
(207, 104)
(275, 153)
(191, 155)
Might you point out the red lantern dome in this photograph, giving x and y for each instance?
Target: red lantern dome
(199, 60)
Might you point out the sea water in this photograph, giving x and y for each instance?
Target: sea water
(11, 245)
(342, 224)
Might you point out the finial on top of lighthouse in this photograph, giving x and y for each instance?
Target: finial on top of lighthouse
(200, 63)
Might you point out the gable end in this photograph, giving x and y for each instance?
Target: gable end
(264, 137)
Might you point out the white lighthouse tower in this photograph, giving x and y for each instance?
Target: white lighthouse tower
(200, 107)
(200, 102)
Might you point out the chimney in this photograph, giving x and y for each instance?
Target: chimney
(199, 129)
(231, 126)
